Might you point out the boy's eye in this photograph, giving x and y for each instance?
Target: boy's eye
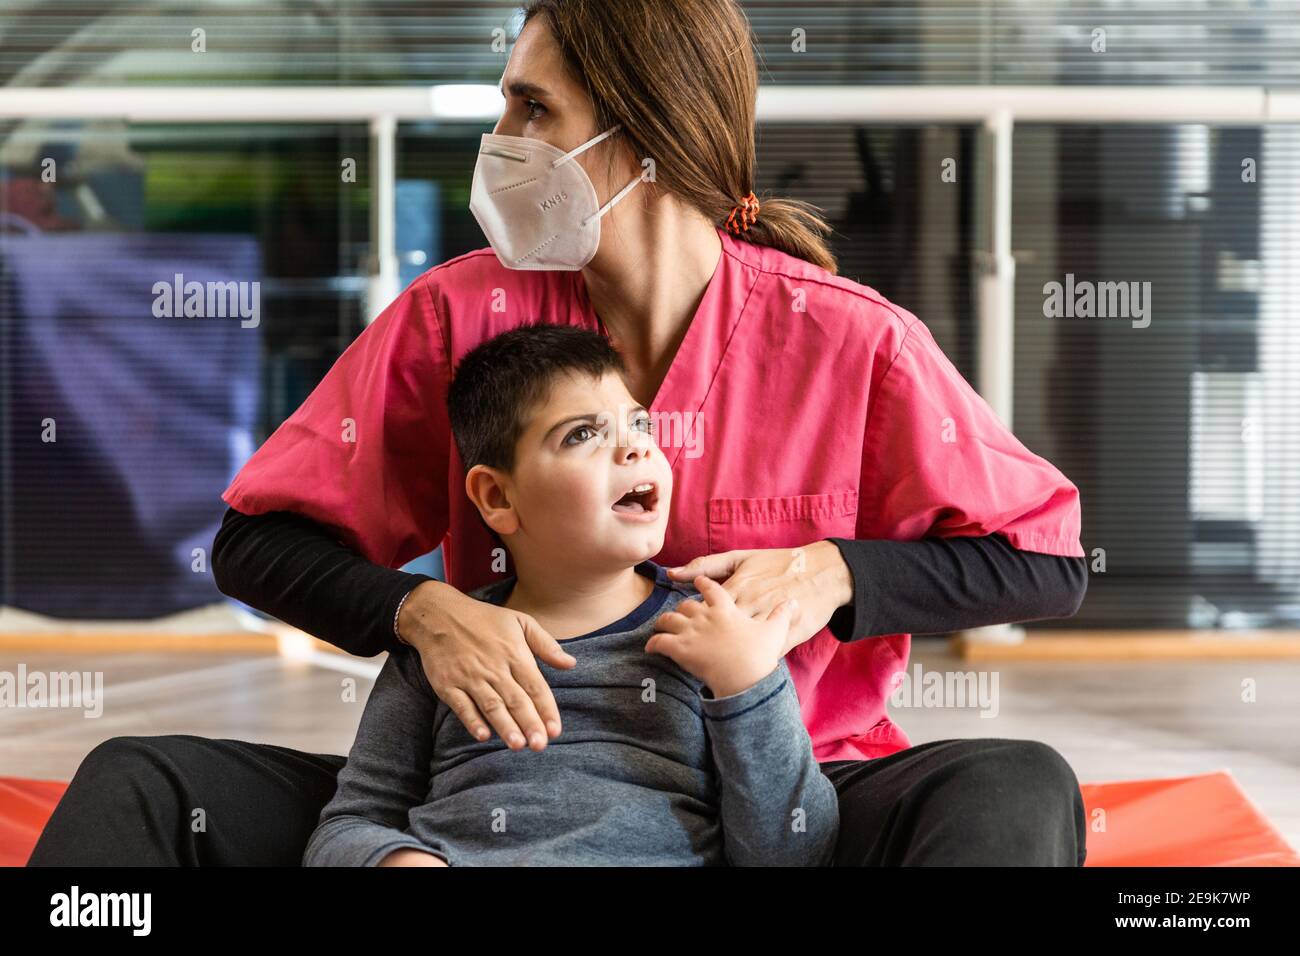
(582, 430)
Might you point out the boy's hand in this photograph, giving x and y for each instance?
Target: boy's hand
(409, 856)
(720, 644)
(757, 579)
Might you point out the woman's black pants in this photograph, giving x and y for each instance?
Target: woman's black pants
(180, 800)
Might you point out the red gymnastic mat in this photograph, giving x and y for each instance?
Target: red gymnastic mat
(1205, 820)
(25, 805)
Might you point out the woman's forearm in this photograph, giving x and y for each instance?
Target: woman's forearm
(295, 569)
(937, 585)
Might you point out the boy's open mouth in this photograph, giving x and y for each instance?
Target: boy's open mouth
(640, 499)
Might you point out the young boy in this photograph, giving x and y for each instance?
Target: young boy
(683, 747)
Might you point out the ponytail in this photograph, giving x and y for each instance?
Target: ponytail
(791, 226)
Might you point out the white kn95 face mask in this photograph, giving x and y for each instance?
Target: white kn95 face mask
(536, 204)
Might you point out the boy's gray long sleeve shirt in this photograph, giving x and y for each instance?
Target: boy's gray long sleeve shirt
(650, 769)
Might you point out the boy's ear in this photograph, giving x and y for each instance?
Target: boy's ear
(486, 488)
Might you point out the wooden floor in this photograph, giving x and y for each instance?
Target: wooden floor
(1113, 720)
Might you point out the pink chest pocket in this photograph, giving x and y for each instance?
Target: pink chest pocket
(784, 521)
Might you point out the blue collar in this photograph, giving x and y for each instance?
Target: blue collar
(498, 593)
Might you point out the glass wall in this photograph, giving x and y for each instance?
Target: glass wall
(124, 416)
(1174, 410)
(1176, 417)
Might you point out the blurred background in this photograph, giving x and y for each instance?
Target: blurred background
(1138, 142)
(1190, 425)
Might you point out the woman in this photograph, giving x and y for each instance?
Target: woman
(823, 448)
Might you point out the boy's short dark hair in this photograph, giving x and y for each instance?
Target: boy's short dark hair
(498, 383)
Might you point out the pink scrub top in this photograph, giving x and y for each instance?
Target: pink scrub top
(800, 406)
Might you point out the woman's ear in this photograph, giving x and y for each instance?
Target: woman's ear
(486, 488)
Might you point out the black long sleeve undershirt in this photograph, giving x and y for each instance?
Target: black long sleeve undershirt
(295, 569)
(937, 585)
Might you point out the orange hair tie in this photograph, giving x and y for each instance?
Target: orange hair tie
(747, 210)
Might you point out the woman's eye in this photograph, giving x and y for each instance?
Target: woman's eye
(531, 105)
(645, 424)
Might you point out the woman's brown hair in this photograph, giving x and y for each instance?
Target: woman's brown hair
(681, 78)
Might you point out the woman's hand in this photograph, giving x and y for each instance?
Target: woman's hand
(758, 580)
(481, 661)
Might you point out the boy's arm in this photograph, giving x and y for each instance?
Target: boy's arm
(387, 772)
(778, 808)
